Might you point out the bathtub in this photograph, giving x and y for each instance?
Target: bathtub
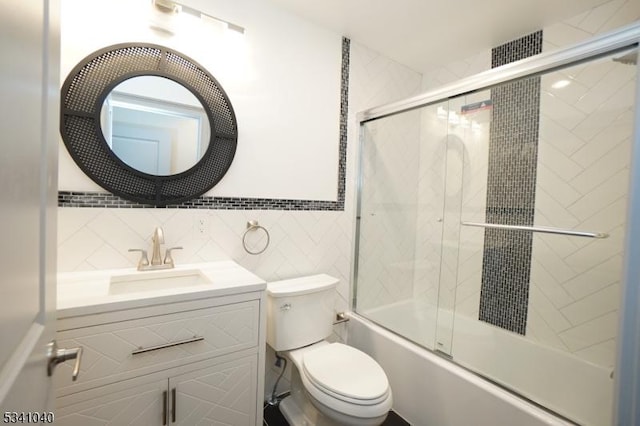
(431, 390)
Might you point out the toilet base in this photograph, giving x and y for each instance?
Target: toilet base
(293, 414)
(299, 409)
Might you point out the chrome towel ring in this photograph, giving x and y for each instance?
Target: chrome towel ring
(253, 225)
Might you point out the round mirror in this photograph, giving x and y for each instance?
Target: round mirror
(104, 92)
(155, 125)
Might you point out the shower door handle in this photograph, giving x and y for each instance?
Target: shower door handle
(542, 229)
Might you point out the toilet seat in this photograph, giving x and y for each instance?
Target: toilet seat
(370, 404)
(346, 374)
(357, 401)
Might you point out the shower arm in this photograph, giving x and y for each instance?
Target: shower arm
(542, 229)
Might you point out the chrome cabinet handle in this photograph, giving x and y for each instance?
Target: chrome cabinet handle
(174, 408)
(56, 356)
(165, 397)
(167, 345)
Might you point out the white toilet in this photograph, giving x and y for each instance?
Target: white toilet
(331, 383)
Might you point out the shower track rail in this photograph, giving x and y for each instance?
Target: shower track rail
(615, 41)
(543, 229)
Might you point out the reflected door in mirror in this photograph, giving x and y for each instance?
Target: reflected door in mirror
(155, 125)
(146, 149)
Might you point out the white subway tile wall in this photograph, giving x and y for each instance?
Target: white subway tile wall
(581, 182)
(584, 150)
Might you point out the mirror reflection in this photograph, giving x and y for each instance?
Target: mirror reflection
(155, 125)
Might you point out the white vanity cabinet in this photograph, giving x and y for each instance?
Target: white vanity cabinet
(213, 392)
(183, 360)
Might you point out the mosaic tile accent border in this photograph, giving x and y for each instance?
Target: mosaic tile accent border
(107, 200)
(104, 199)
(511, 185)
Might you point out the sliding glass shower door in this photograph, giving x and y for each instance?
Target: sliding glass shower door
(399, 246)
(491, 230)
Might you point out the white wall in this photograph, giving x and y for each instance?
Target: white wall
(282, 77)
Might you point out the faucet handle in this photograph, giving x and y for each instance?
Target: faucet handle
(168, 260)
(144, 259)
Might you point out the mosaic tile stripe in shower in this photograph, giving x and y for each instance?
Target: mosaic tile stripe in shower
(107, 200)
(511, 181)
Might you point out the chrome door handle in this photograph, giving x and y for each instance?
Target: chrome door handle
(55, 356)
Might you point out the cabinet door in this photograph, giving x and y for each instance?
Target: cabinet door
(125, 403)
(222, 394)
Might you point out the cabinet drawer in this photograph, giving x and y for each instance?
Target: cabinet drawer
(117, 351)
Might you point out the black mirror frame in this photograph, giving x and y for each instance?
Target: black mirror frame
(84, 92)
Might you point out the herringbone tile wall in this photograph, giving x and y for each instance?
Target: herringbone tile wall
(388, 211)
(582, 176)
(582, 181)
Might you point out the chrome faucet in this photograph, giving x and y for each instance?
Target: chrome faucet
(157, 239)
(156, 256)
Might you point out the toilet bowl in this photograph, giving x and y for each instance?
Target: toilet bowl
(343, 383)
(332, 383)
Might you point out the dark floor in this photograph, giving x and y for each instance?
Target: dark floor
(272, 417)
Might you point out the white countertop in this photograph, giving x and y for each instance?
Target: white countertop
(87, 293)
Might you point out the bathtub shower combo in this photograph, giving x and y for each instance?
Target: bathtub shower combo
(492, 216)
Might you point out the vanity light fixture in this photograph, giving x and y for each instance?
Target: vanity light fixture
(172, 9)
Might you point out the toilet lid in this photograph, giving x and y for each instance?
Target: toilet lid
(345, 371)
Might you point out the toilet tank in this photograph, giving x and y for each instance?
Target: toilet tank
(300, 311)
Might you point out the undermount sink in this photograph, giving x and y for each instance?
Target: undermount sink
(156, 280)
